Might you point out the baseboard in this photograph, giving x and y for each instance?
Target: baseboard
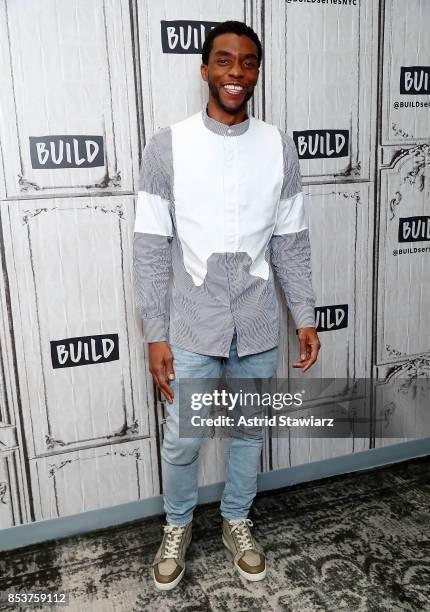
(32, 533)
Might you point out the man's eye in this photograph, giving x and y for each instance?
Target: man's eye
(222, 61)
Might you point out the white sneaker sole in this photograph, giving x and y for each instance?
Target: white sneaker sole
(167, 586)
(250, 577)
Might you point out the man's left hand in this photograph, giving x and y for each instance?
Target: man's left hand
(309, 347)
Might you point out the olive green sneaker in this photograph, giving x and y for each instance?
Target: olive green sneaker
(248, 555)
(169, 563)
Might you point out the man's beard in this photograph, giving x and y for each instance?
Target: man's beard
(216, 95)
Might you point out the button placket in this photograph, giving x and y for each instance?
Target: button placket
(230, 195)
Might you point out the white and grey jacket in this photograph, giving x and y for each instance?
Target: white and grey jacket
(216, 206)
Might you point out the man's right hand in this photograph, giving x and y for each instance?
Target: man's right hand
(161, 367)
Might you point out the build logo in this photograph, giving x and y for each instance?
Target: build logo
(50, 152)
(415, 80)
(414, 229)
(84, 350)
(317, 144)
(330, 318)
(184, 36)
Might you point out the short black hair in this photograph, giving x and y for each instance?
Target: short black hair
(233, 27)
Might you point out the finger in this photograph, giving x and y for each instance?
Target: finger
(169, 368)
(303, 348)
(304, 353)
(166, 390)
(313, 356)
(304, 365)
(161, 382)
(307, 362)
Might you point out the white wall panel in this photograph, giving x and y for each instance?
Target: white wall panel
(341, 229)
(84, 480)
(321, 75)
(14, 494)
(406, 45)
(73, 279)
(292, 450)
(403, 278)
(401, 401)
(66, 69)
(12, 486)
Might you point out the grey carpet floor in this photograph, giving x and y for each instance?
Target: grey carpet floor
(356, 542)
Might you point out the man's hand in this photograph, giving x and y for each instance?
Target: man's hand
(161, 367)
(309, 347)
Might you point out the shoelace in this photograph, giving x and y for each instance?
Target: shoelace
(173, 541)
(241, 528)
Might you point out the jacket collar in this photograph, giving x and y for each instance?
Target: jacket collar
(222, 129)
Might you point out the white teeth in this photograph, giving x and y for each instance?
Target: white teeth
(233, 87)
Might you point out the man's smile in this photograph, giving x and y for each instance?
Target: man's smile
(235, 90)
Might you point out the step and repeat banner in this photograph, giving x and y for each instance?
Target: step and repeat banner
(85, 84)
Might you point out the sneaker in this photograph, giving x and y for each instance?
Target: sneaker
(169, 563)
(248, 555)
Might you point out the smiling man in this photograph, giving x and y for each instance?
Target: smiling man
(219, 203)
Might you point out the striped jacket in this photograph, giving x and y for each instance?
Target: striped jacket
(217, 207)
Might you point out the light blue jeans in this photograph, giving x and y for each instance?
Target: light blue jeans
(179, 455)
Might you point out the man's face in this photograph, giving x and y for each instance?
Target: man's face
(232, 71)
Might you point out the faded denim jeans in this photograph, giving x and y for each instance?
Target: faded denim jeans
(180, 455)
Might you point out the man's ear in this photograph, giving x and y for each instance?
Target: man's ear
(204, 72)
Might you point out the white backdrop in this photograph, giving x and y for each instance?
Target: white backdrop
(84, 85)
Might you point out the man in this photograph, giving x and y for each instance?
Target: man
(219, 197)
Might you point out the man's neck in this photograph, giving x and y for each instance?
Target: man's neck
(217, 113)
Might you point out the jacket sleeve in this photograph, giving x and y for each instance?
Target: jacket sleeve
(290, 246)
(152, 259)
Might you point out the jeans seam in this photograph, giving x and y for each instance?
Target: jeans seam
(227, 481)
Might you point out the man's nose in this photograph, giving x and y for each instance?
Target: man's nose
(236, 69)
